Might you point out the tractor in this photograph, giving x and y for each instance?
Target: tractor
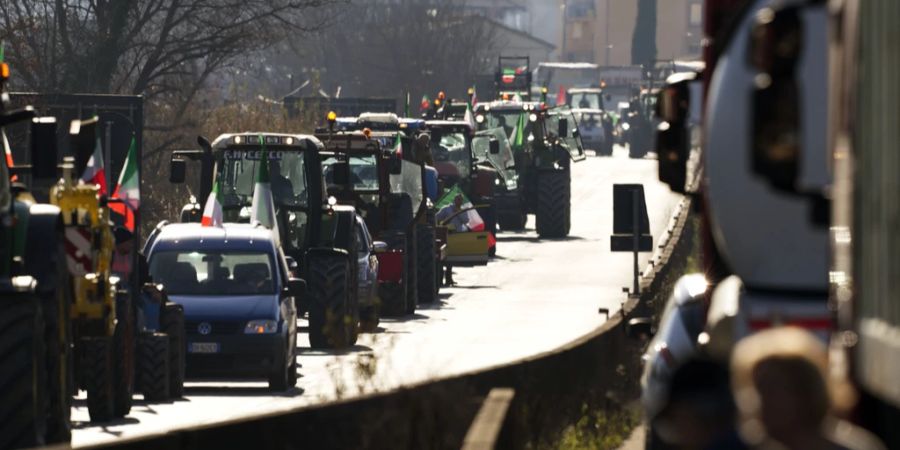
(364, 170)
(318, 236)
(545, 141)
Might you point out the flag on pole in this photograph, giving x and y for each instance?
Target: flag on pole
(212, 211)
(398, 146)
(561, 95)
(262, 209)
(517, 138)
(470, 118)
(474, 221)
(425, 103)
(473, 99)
(128, 188)
(8, 152)
(95, 171)
(509, 75)
(406, 107)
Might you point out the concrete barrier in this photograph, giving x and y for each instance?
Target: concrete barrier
(552, 390)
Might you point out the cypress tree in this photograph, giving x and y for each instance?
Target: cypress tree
(643, 42)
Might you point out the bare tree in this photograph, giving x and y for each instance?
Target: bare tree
(388, 48)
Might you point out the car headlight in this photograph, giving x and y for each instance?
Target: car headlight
(261, 327)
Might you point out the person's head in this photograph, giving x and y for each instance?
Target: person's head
(458, 201)
(699, 408)
(781, 384)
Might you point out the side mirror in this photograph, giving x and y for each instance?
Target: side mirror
(563, 128)
(494, 147)
(640, 328)
(177, 167)
(43, 148)
(292, 264)
(340, 173)
(379, 247)
(296, 288)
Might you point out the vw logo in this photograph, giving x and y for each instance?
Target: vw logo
(204, 328)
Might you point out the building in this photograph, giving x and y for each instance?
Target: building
(601, 31)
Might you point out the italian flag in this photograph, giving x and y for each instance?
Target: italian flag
(473, 100)
(212, 211)
(509, 75)
(128, 189)
(474, 220)
(95, 171)
(426, 103)
(262, 210)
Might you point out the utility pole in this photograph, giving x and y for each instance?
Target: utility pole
(606, 30)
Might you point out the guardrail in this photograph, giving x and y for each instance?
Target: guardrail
(551, 390)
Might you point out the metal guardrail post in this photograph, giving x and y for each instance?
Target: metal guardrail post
(488, 423)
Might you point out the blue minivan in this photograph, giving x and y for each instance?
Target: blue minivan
(239, 299)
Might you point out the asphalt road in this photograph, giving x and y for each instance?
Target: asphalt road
(534, 297)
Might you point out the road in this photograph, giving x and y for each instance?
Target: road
(534, 297)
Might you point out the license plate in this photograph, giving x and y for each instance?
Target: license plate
(204, 347)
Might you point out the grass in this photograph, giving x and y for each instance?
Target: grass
(599, 429)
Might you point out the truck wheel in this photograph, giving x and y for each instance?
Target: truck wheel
(172, 323)
(369, 319)
(412, 285)
(98, 372)
(553, 208)
(425, 260)
(124, 342)
(330, 317)
(514, 221)
(153, 363)
(23, 396)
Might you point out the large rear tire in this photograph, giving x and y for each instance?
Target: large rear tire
(554, 204)
(124, 356)
(23, 396)
(411, 275)
(172, 323)
(331, 319)
(153, 366)
(427, 289)
(56, 302)
(97, 374)
(393, 298)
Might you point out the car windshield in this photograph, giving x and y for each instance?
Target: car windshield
(585, 100)
(213, 273)
(286, 171)
(451, 146)
(363, 172)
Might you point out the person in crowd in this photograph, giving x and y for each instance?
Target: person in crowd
(786, 398)
(699, 413)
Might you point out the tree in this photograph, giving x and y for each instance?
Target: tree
(389, 48)
(643, 42)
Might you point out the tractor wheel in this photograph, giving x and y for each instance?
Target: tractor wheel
(98, 372)
(23, 396)
(425, 260)
(331, 321)
(553, 208)
(412, 285)
(393, 298)
(172, 323)
(369, 319)
(512, 221)
(56, 302)
(124, 354)
(153, 366)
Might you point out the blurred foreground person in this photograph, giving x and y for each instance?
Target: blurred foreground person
(699, 413)
(785, 398)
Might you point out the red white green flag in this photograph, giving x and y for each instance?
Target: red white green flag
(128, 189)
(95, 171)
(426, 103)
(212, 211)
(509, 75)
(262, 209)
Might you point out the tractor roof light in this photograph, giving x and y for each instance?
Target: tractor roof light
(441, 95)
(4, 71)
(544, 90)
(238, 140)
(470, 91)
(332, 116)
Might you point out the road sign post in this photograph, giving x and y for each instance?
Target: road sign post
(631, 226)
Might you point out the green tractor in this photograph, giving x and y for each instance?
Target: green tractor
(545, 141)
(317, 235)
(35, 333)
